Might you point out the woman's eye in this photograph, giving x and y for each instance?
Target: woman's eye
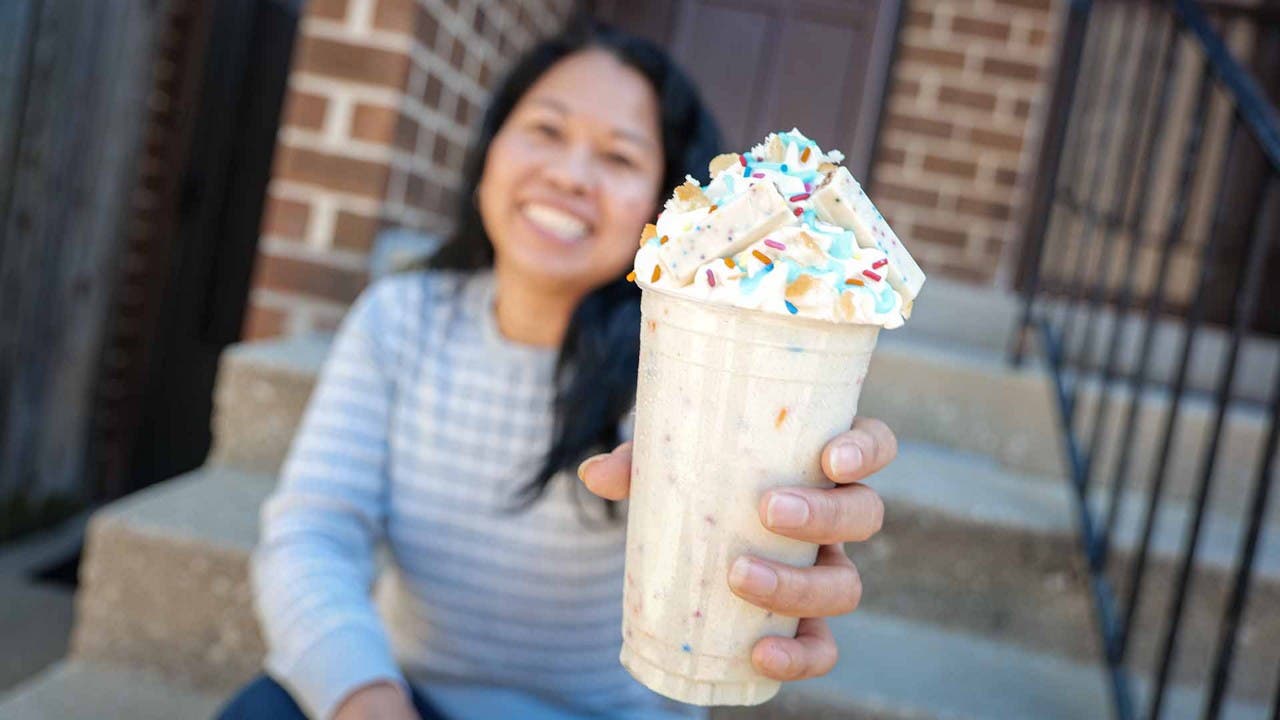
(619, 160)
(546, 130)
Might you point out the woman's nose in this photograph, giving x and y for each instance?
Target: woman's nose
(573, 170)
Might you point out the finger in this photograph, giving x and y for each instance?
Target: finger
(860, 451)
(608, 474)
(811, 653)
(831, 587)
(845, 513)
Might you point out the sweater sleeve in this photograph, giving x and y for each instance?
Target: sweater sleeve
(313, 568)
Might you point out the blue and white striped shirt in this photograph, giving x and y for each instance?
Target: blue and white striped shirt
(423, 424)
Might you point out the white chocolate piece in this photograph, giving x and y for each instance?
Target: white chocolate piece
(841, 201)
(730, 229)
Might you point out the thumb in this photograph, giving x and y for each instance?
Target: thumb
(608, 474)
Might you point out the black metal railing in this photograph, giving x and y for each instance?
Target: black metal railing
(1153, 233)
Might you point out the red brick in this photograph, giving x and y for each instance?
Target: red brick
(1042, 5)
(920, 197)
(937, 235)
(328, 9)
(983, 208)
(1011, 69)
(406, 133)
(305, 110)
(375, 123)
(919, 125)
(357, 63)
(1022, 108)
(1006, 177)
(919, 19)
(415, 192)
(432, 91)
(355, 232)
(263, 322)
(440, 150)
(931, 56)
(306, 277)
(893, 156)
(976, 99)
(979, 273)
(976, 27)
(905, 89)
(1038, 37)
(950, 166)
(334, 172)
(395, 15)
(457, 54)
(426, 27)
(996, 139)
(285, 218)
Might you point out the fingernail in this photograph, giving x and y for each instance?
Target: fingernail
(753, 578)
(846, 458)
(776, 659)
(786, 510)
(582, 469)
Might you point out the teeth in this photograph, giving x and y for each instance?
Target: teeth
(555, 221)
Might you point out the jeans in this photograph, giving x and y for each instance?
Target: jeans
(265, 699)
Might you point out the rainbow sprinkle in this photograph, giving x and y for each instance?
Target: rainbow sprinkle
(711, 278)
(871, 275)
(657, 273)
(712, 209)
(782, 414)
(742, 159)
(799, 212)
(775, 244)
(783, 167)
(854, 281)
(664, 240)
(790, 308)
(631, 276)
(685, 647)
(746, 171)
(799, 196)
(804, 154)
(762, 257)
(879, 263)
(757, 175)
(728, 262)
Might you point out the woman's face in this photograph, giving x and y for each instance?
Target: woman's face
(572, 175)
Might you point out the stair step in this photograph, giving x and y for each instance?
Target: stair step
(967, 545)
(954, 396)
(164, 580)
(72, 690)
(971, 546)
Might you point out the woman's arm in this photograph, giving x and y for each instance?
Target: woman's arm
(314, 564)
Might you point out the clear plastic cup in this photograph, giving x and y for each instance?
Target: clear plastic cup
(730, 402)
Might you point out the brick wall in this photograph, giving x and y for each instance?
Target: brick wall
(384, 95)
(958, 141)
(382, 100)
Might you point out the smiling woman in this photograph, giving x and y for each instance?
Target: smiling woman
(454, 400)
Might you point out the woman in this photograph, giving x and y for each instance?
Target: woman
(455, 399)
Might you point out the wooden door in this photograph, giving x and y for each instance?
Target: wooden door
(762, 65)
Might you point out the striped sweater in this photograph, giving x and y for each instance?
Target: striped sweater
(423, 424)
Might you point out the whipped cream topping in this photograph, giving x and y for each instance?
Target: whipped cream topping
(784, 229)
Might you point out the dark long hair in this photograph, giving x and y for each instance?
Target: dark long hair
(596, 370)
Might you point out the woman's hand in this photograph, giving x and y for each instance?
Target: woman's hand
(848, 512)
(379, 701)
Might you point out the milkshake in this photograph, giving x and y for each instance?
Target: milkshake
(763, 294)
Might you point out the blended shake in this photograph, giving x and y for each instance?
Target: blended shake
(763, 294)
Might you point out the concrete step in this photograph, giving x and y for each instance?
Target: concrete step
(971, 546)
(956, 396)
(891, 669)
(164, 580)
(967, 546)
(72, 690)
